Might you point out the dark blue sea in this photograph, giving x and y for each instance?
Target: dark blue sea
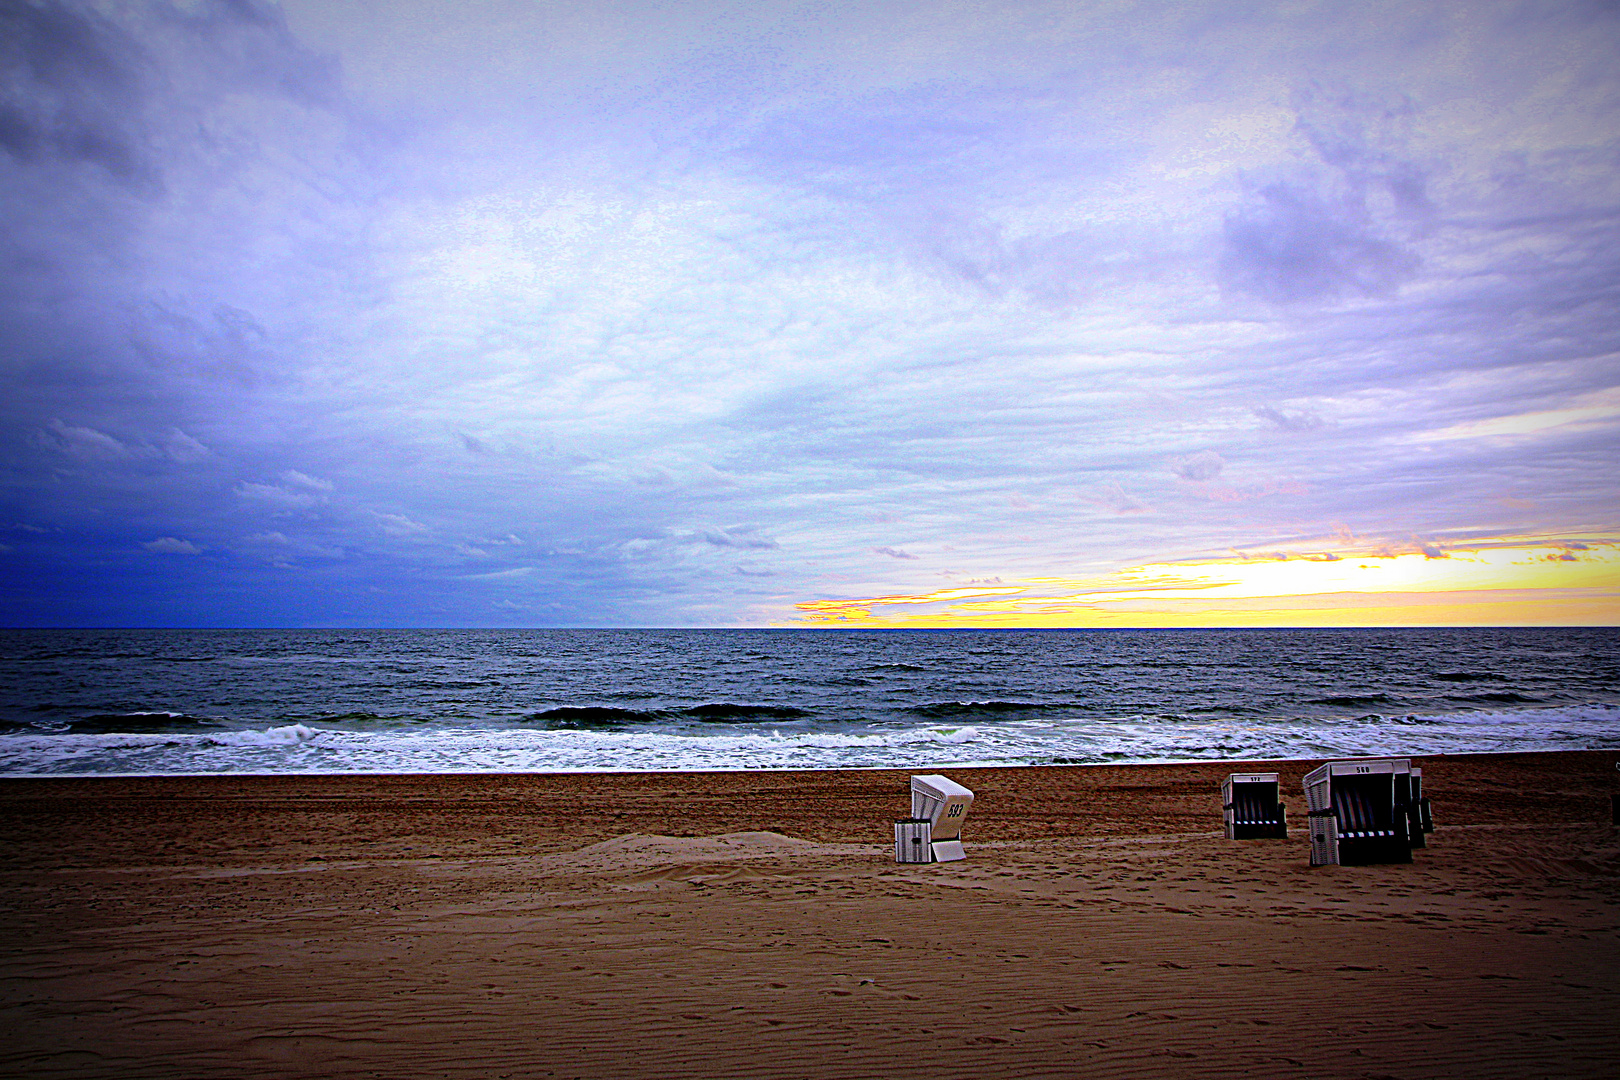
(286, 701)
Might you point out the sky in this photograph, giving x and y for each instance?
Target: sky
(926, 314)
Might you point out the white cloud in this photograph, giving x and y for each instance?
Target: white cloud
(169, 545)
(183, 448)
(276, 496)
(398, 524)
(86, 443)
(308, 483)
(1589, 411)
(1204, 465)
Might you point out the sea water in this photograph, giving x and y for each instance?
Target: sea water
(285, 701)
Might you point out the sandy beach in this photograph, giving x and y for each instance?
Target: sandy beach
(754, 924)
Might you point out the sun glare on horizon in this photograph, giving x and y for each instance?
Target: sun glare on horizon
(1500, 582)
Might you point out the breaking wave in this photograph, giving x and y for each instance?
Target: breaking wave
(290, 735)
(106, 723)
(608, 716)
(297, 748)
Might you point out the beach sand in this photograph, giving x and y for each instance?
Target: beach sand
(754, 924)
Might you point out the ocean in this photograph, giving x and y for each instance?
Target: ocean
(346, 701)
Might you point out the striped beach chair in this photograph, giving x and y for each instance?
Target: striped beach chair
(1355, 817)
(1250, 807)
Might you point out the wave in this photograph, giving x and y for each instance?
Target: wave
(1353, 701)
(941, 710)
(1506, 697)
(80, 741)
(78, 654)
(594, 716)
(130, 723)
(1469, 676)
(727, 711)
(610, 716)
(289, 735)
(1380, 718)
(359, 718)
(111, 723)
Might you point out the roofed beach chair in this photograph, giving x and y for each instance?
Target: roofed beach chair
(1425, 814)
(1250, 807)
(1419, 821)
(1355, 818)
(938, 808)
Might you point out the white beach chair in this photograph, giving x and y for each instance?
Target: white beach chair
(1355, 818)
(943, 805)
(1250, 807)
(913, 840)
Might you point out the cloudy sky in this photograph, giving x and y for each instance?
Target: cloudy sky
(530, 313)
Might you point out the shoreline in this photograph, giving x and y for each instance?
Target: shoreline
(1235, 763)
(754, 924)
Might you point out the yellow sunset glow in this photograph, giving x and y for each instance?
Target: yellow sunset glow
(1495, 583)
(944, 595)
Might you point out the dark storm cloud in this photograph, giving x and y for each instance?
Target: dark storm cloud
(1289, 420)
(893, 553)
(1292, 244)
(127, 335)
(119, 131)
(72, 86)
(1316, 236)
(736, 536)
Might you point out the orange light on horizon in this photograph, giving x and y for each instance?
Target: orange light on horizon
(1500, 582)
(833, 609)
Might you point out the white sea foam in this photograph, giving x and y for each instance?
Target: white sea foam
(289, 735)
(301, 748)
(297, 747)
